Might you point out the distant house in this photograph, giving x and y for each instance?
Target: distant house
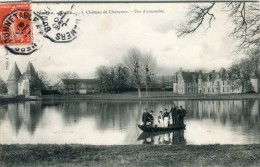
(27, 84)
(78, 86)
(213, 82)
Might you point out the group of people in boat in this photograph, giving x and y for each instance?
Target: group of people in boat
(175, 115)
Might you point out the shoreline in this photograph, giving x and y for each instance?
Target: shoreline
(129, 155)
(152, 96)
(123, 97)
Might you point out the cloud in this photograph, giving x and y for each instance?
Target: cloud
(104, 40)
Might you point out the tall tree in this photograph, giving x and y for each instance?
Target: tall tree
(254, 56)
(133, 61)
(241, 72)
(149, 64)
(103, 76)
(141, 66)
(44, 78)
(244, 15)
(121, 77)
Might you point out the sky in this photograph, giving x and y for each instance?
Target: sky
(103, 39)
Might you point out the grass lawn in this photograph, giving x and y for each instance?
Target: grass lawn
(130, 155)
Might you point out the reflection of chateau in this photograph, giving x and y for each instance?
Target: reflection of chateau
(123, 116)
(27, 84)
(21, 115)
(209, 83)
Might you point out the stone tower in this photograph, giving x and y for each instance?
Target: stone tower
(12, 81)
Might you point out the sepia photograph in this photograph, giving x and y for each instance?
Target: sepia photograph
(129, 83)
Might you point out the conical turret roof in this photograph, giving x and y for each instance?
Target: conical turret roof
(15, 73)
(31, 71)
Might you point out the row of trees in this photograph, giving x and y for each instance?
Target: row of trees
(137, 69)
(113, 79)
(246, 68)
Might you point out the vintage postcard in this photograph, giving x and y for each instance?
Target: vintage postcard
(129, 83)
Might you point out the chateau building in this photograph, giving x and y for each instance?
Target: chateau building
(27, 84)
(220, 82)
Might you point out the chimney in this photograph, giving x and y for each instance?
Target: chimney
(213, 71)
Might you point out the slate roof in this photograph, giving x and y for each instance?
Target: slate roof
(15, 73)
(76, 81)
(30, 70)
(188, 76)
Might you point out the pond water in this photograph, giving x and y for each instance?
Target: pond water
(108, 123)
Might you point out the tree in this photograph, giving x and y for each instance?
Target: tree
(133, 61)
(254, 57)
(102, 74)
(149, 65)
(245, 16)
(141, 66)
(68, 75)
(3, 86)
(121, 78)
(44, 78)
(241, 72)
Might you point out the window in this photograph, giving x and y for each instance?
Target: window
(223, 82)
(223, 89)
(227, 89)
(208, 90)
(213, 90)
(228, 82)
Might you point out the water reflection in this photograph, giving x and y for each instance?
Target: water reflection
(92, 122)
(175, 137)
(22, 114)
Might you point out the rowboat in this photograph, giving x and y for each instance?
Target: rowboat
(148, 128)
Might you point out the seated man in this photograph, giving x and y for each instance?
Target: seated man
(150, 118)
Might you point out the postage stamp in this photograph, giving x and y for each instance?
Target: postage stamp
(60, 25)
(15, 23)
(37, 39)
